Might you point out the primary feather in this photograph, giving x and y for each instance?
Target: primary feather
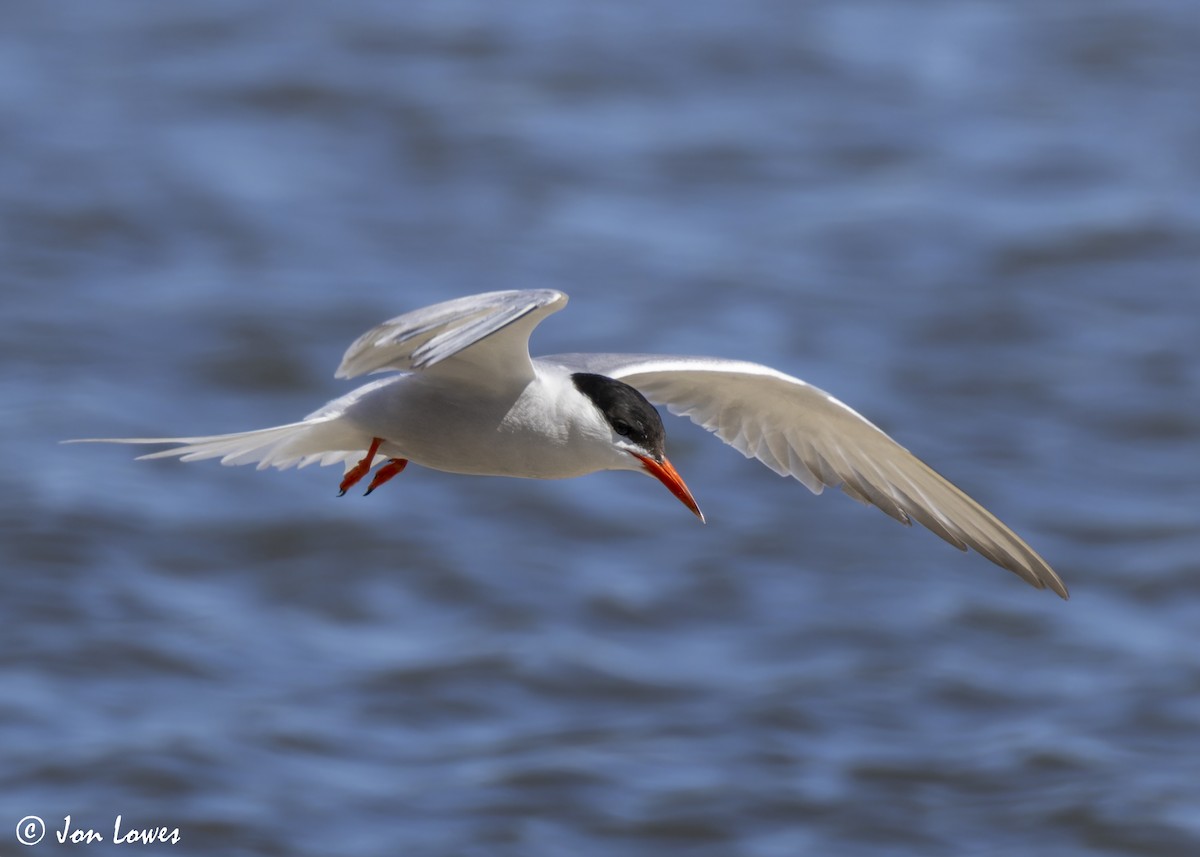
(799, 430)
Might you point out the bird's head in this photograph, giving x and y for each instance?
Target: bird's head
(636, 430)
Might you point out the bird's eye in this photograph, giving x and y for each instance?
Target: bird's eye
(622, 428)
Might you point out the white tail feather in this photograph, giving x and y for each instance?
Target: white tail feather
(325, 441)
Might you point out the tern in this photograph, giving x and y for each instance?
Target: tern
(464, 396)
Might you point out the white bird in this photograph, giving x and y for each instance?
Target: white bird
(466, 397)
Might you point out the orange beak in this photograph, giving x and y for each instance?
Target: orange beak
(667, 475)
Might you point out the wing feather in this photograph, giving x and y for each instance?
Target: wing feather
(799, 430)
(487, 336)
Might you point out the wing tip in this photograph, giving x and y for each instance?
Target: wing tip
(1036, 572)
(1054, 583)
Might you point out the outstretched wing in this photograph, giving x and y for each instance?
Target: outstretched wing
(799, 430)
(480, 337)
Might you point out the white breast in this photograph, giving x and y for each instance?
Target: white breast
(544, 430)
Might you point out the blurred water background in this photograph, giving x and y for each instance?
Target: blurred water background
(976, 222)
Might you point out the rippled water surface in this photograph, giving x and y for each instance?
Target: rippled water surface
(978, 223)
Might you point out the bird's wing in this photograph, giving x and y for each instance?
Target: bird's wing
(799, 430)
(481, 337)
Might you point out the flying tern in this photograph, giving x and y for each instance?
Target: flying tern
(463, 395)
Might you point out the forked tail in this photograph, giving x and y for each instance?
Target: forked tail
(320, 441)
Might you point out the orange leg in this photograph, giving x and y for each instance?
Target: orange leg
(383, 474)
(358, 471)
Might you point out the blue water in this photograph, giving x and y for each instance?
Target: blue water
(978, 223)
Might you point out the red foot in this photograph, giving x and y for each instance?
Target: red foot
(383, 474)
(358, 471)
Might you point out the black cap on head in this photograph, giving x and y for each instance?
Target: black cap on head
(628, 412)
